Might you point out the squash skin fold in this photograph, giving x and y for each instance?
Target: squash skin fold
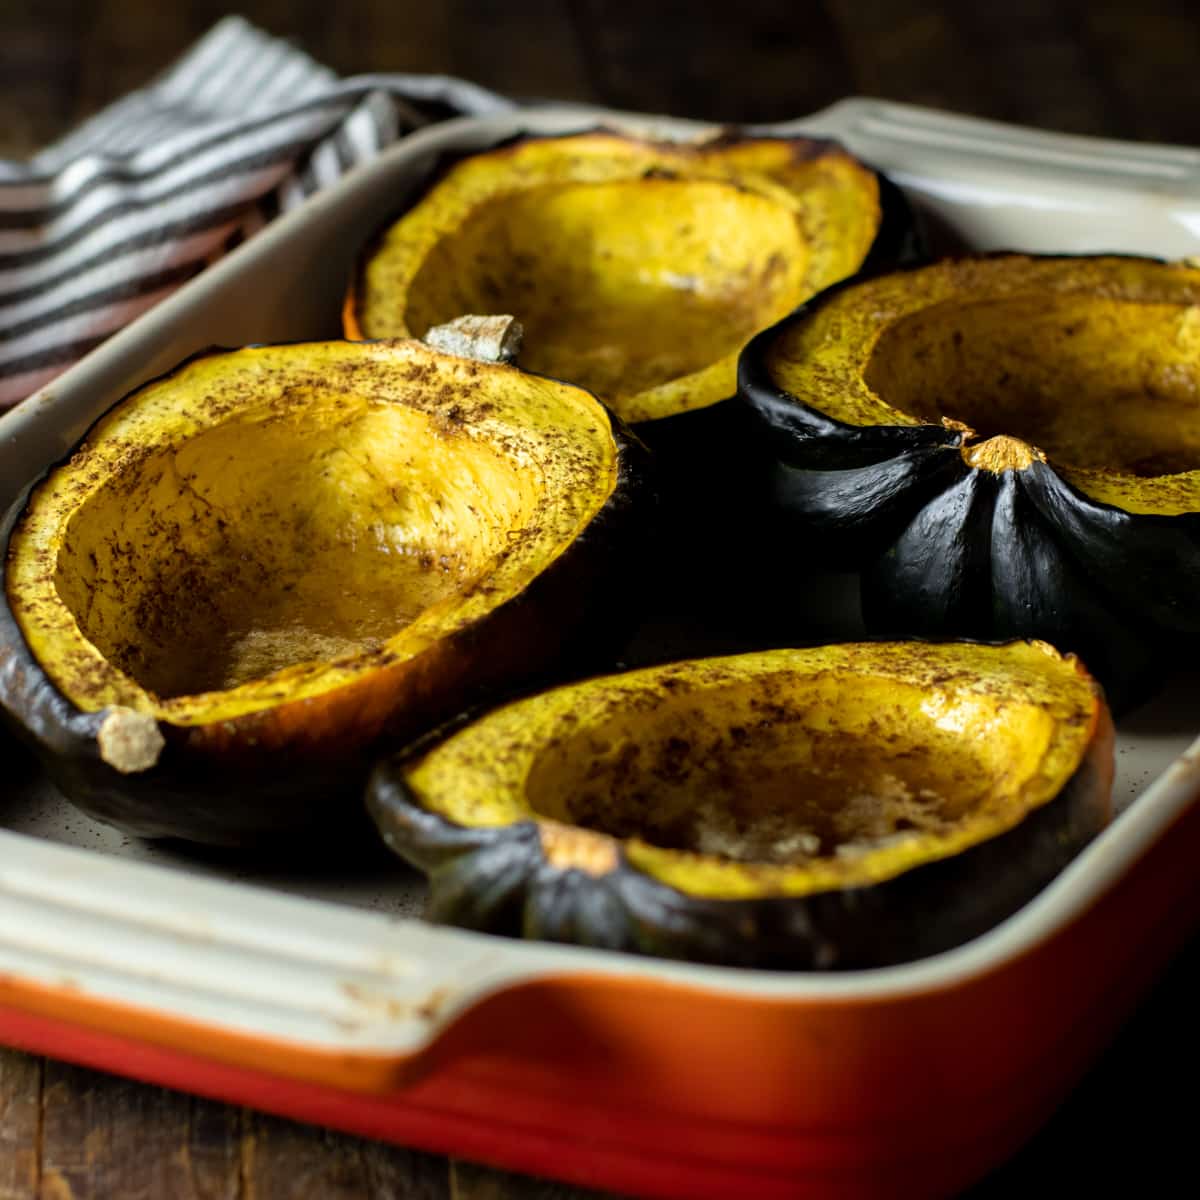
(495, 877)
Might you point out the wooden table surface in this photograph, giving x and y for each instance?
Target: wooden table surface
(1103, 67)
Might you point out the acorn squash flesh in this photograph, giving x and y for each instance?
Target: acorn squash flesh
(638, 269)
(765, 809)
(277, 556)
(204, 568)
(1094, 382)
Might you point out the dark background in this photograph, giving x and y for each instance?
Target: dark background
(1110, 67)
(1105, 67)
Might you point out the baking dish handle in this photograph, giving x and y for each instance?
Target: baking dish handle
(230, 971)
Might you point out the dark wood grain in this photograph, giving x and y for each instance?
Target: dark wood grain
(1146, 56)
(1103, 67)
(67, 1133)
(103, 1137)
(120, 52)
(282, 1160)
(20, 1124)
(39, 72)
(1037, 69)
(1086, 66)
(899, 49)
(754, 60)
(470, 1182)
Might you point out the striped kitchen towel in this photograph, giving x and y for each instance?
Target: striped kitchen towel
(102, 225)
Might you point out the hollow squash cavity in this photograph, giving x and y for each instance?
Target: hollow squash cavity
(620, 286)
(280, 538)
(638, 269)
(1093, 381)
(276, 523)
(838, 769)
(1093, 361)
(785, 772)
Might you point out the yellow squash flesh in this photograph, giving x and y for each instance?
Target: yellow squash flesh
(783, 773)
(638, 269)
(1093, 362)
(280, 524)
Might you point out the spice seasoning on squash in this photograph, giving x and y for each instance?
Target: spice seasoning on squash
(638, 269)
(280, 556)
(838, 806)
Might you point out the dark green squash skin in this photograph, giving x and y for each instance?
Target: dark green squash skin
(497, 880)
(307, 789)
(948, 550)
(718, 543)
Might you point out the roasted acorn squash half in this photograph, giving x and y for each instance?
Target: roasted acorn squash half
(257, 568)
(638, 269)
(1004, 445)
(843, 806)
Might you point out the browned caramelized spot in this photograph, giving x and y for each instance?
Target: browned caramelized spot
(740, 808)
(783, 785)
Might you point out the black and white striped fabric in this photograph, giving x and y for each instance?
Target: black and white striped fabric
(102, 225)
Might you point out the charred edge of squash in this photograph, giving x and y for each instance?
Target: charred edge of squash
(605, 902)
(190, 791)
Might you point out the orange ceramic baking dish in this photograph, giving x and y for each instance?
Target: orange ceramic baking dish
(321, 998)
